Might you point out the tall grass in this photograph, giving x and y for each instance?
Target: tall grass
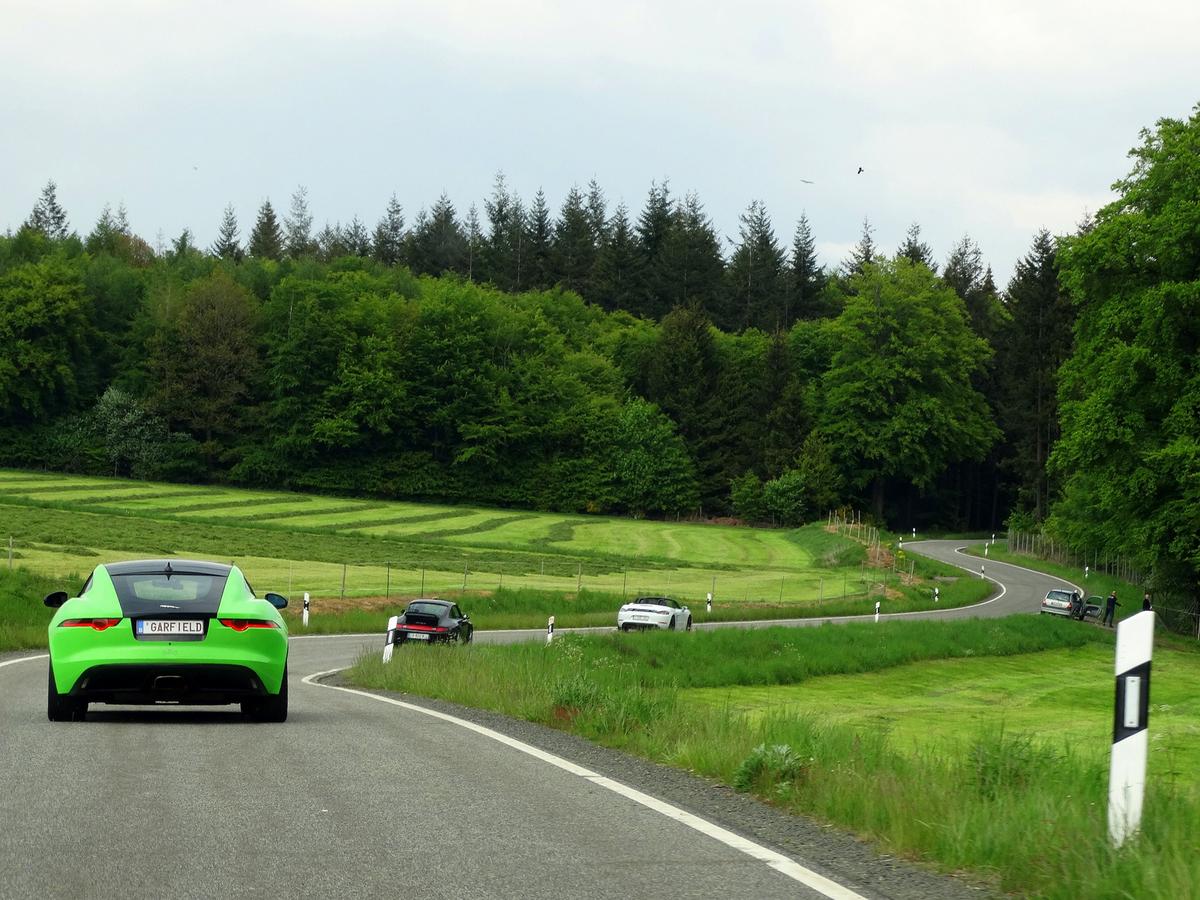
(23, 616)
(1016, 813)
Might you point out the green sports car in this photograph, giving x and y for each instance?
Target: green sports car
(167, 631)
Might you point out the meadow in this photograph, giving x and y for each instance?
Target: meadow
(979, 746)
(357, 557)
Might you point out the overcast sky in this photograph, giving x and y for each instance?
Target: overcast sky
(992, 118)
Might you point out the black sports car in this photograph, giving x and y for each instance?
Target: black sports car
(430, 621)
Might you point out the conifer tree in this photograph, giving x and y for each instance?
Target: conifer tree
(692, 266)
(475, 243)
(358, 240)
(756, 275)
(862, 254)
(297, 224)
(122, 220)
(653, 232)
(597, 212)
(48, 216)
(266, 238)
(616, 278)
(331, 242)
(916, 250)
(388, 241)
(506, 237)
(806, 279)
(183, 245)
(104, 234)
(438, 244)
(539, 236)
(226, 245)
(574, 244)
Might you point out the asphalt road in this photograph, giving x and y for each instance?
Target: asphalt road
(357, 797)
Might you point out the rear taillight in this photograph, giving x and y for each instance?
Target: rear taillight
(97, 624)
(243, 624)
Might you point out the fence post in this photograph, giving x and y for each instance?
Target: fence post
(464, 576)
(624, 580)
(387, 591)
(343, 581)
(10, 551)
(579, 579)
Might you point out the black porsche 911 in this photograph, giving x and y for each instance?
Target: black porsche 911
(431, 621)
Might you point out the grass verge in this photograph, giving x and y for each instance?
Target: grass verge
(23, 617)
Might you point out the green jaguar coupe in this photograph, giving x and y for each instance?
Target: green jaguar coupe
(167, 631)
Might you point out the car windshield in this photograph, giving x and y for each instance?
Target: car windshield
(427, 609)
(653, 601)
(1059, 595)
(177, 587)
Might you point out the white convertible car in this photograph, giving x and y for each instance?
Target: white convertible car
(654, 612)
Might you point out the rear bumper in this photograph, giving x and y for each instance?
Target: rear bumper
(139, 683)
(76, 652)
(1054, 611)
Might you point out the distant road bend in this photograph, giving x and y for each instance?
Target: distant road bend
(363, 796)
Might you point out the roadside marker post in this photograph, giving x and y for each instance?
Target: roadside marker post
(708, 603)
(1086, 570)
(876, 610)
(935, 595)
(391, 635)
(986, 547)
(981, 575)
(1131, 719)
(304, 618)
(550, 630)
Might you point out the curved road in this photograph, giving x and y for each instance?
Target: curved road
(357, 797)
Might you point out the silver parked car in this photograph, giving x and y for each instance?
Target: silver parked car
(1059, 602)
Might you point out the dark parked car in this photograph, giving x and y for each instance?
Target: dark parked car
(431, 621)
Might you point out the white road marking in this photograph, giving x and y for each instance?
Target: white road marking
(777, 861)
(1022, 568)
(13, 662)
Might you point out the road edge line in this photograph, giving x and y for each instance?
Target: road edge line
(777, 861)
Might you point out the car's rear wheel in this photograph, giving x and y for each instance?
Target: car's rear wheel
(627, 628)
(60, 708)
(689, 624)
(671, 624)
(270, 709)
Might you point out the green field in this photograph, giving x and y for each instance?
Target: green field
(346, 549)
(1064, 697)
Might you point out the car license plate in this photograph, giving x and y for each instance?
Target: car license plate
(642, 618)
(170, 626)
(416, 636)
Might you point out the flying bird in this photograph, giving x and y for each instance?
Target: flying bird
(805, 181)
(860, 170)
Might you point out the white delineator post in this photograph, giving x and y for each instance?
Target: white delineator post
(304, 617)
(391, 634)
(936, 598)
(708, 603)
(550, 630)
(1127, 772)
(876, 610)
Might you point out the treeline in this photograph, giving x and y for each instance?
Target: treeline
(583, 360)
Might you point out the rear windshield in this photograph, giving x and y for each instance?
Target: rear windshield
(178, 588)
(1058, 595)
(427, 609)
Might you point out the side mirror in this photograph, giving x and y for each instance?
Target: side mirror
(276, 600)
(55, 600)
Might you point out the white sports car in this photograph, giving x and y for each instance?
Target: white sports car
(654, 612)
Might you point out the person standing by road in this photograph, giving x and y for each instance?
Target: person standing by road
(1110, 609)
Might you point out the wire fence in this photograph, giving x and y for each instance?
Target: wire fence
(351, 580)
